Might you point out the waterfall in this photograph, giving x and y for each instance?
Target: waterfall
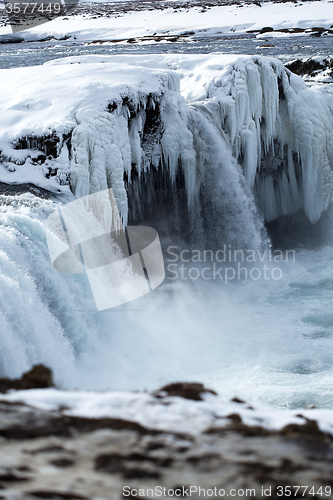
(208, 147)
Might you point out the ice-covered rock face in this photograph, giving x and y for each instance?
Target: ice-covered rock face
(223, 130)
(316, 69)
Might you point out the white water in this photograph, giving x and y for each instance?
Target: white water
(266, 340)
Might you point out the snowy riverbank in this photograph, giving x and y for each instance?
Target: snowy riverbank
(173, 22)
(80, 445)
(169, 413)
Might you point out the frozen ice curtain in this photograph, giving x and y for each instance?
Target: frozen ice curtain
(122, 264)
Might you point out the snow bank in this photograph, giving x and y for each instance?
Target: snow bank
(168, 413)
(90, 120)
(216, 20)
(49, 131)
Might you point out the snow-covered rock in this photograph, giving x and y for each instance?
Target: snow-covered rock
(315, 69)
(113, 445)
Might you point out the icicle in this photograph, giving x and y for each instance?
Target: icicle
(279, 130)
(102, 154)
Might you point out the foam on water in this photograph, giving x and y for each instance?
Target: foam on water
(267, 341)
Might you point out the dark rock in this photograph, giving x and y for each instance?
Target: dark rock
(13, 189)
(8, 476)
(207, 457)
(33, 423)
(50, 144)
(309, 430)
(155, 446)
(11, 39)
(116, 463)
(46, 449)
(308, 67)
(6, 384)
(62, 462)
(237, 400)
(39, 377)
(187, 390)
(112, 106)
(266, 29)
(240, 428)
(56, 495)
(235, 418)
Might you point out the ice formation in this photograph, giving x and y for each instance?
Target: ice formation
(239, 129)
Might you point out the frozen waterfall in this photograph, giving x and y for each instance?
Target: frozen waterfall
(207, 147)
(243, 132)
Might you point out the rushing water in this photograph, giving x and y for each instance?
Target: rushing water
(263, 337)
(267, 340)
(34, 53)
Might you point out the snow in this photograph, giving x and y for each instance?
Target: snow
(38, 101)
(216, 20)
(168, 413)
(249, 109)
